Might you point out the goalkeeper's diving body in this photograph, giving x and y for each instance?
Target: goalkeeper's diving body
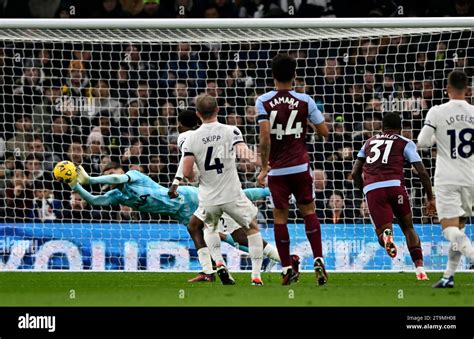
(140, 192)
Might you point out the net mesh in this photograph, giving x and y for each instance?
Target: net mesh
(95, 96)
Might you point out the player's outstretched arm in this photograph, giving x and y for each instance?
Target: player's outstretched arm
(257, 193)
(113, 179)
(357, 173)
(430, 206)
(94, 200)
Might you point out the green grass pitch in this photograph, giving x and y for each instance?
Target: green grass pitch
(172, 289)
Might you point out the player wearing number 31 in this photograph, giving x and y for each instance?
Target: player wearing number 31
(381, 160)
(451, 125)
(283, 117)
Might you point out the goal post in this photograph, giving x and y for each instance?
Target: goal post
(93, 91)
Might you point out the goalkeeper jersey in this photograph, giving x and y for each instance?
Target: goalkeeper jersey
(143, 194)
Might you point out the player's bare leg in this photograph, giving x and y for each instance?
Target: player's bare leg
(385, 237)
(414, 245)
(282, 240)
(457, 238)
(255, 251)
(195, 230)
(313, 233)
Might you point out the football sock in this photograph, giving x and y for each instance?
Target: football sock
(416, 255)
(313, 233)
(271, 252)
(205, 260)
(213, 242)
(256, 253)
(459, 240)
(228, 239)
(414, 246)
(454, 257)
(282, 240)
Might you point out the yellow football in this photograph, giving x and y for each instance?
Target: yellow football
(65, 171)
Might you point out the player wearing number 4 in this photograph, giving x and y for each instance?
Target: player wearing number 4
(381, 160)
(229, 230)
(283, 118)
(451, 125)
(213, 147)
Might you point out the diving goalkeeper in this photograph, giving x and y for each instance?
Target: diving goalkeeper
(140, 192)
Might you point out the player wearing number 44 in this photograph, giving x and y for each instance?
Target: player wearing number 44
(283, 117)
(136, 190)
(451, 125)
(381, 160)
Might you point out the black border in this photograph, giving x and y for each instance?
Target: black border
(241, 322)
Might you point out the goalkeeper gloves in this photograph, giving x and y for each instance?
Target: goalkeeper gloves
(73, 183)
(82, 175)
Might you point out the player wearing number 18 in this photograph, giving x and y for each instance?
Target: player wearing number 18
(381, 160)
(452, 126)
(283, 118)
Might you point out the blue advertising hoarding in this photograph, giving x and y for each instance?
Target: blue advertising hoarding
(168, 247)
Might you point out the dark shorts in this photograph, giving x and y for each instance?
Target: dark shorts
(386, 202)
(298, 184)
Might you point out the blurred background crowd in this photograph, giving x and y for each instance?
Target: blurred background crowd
(96, 103)
(231, 8)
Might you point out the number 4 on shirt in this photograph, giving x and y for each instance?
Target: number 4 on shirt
(218, 165)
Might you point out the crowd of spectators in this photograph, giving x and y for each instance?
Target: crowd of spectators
(95, 103)
(231, 8)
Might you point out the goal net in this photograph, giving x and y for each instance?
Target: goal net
(93, 95)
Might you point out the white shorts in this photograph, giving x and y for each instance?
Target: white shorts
(454, 201)
(242, 211)
(227, 225)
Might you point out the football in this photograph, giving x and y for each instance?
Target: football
(65, 171)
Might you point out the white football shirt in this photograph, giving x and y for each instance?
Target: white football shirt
(212, 145)
(182, 138)
(453, 123)
(179, 173)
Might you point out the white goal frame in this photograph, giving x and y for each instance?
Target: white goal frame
(440, 22)
(32, 26)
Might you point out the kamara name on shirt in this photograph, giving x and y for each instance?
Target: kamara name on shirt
(284, 100)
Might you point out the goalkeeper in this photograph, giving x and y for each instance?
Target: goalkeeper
(140, 192)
